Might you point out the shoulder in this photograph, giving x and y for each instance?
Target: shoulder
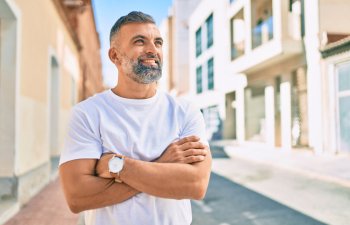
(90, 106)
(182, 105)
(92, 102)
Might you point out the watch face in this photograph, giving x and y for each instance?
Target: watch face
(115, 164)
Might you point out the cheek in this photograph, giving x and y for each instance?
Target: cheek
(160, 55)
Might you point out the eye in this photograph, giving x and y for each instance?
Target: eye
(139, 42)
(159, 43)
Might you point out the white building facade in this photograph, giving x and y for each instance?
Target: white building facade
(210, 80)
(336, 94)
(255, 71)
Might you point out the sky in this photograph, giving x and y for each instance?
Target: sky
(106, 14)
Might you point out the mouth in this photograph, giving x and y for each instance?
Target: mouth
(150, 62)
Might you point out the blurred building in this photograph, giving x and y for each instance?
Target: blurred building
(174, 30)
(257, 73)
(49, 60)
(335, 75)
(80, 17)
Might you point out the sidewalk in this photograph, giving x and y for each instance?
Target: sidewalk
(327, 167)
(46, 208)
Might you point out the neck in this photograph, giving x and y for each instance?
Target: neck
(128, 88)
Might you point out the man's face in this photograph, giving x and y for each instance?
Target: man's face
(139, 50)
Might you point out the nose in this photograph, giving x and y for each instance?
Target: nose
(151, 48)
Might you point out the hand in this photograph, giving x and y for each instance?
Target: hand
(187, 150)
(102, 169)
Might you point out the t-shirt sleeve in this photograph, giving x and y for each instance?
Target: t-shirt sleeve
(82, 140)
(194, 124)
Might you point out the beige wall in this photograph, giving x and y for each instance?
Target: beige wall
(43, 35)
(333, 14)
(90, 58)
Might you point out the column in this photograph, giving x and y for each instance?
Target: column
(240, 125)
(286, 135)
(270, 116)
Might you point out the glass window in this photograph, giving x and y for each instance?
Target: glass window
(262, 22)
(237, 35)
(211, 74)
(344, 123)
(213, 122)
(209, 23)
(344, 77)
(199, 42)
(199, 79)
(295, 19)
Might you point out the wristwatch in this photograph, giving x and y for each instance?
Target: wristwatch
(115, 165)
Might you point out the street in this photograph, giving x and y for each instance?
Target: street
(228, 203)
(245, 192)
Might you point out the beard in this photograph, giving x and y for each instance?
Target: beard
(145, 74)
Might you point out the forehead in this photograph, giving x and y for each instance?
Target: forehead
(130, 30)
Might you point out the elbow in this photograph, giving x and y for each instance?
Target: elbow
(75, 210)
(200, 193)
(74, 206)
(200, 189)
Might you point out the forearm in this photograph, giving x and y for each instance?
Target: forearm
(168, 180)
(110, 193)
(89, 192)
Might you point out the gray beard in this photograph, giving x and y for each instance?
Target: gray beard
(146, 74)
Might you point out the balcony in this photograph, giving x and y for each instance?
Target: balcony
(275, 35)
(262, 33)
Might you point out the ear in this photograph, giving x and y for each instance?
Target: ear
(113, 55)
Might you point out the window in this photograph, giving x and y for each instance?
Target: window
(343, 89)
(295, 19)
(199, 79)
(199, 41)
(209, 24)
(213, 122)
(211, 74)
(237, 35)
(262, 22)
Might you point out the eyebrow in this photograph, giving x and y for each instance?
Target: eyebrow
(143, 37)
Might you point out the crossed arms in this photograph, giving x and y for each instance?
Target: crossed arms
(181, 172)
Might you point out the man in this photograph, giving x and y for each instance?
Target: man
(135, 155)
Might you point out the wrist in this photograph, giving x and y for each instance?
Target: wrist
(115, 166)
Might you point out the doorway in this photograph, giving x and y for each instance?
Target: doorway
(230, 121)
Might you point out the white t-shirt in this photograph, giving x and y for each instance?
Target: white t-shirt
(138, 128)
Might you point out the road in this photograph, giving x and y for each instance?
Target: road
(245, 192)
(228, 203)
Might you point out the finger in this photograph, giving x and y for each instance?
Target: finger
(187, 139)
(194, 159)
(195, 152)
(189, 145)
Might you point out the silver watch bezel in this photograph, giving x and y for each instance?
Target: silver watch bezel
(115, 164)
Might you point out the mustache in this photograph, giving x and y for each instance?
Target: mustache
(149, 56)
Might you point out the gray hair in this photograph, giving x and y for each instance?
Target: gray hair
(132, 17)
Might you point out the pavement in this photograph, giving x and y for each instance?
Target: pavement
(230, 203)
(315, 185)
(49, 206)
(324, 166)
